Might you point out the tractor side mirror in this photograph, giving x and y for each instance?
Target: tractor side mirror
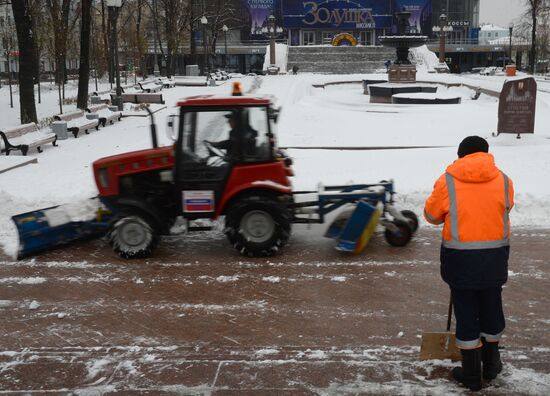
(274, 114)
(171, 131)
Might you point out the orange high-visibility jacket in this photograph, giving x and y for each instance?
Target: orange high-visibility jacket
(473, 198)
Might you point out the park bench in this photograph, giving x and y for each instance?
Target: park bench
(105, 115)
(166, 82)
(77, 122)
(150, 86)
(192, 81)
(141, 97)
(25, 137)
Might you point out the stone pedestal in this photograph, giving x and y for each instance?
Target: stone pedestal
(92, 116)
(60, 129)
(402, 74)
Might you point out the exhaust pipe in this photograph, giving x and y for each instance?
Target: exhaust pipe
(153, 128)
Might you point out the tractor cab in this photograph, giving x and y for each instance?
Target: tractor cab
(224, 145)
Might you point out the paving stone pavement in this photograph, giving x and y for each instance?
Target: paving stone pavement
(197, 318)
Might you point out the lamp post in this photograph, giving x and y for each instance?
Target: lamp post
(442, 30)
(511, 29)
(225, 29)
(204, 22)
(272, 31)
(114, 8)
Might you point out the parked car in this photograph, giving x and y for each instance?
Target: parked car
(489, 71)
(216, 77)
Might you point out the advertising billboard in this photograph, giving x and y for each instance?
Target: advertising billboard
(337, 14)
(256, 13)
(421, 14)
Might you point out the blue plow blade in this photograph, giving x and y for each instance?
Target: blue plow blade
(40, 231)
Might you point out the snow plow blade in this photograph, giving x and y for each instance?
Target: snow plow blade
(48, 228)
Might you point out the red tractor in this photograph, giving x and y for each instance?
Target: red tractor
(224, 162)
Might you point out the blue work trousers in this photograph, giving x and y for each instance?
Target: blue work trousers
(478, 314)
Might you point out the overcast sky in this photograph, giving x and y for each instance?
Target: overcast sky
(500, 12)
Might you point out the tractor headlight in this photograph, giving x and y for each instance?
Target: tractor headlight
(103, 177)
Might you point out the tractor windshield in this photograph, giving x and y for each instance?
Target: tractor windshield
(236, 135)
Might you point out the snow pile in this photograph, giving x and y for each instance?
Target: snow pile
(424, 59)
(281, 57)
(83, 210)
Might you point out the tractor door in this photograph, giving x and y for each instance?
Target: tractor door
(202, 169)
(211, 141)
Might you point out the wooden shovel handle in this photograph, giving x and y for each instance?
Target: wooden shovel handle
(449, 316)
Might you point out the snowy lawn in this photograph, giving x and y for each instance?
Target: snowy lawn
(335, 117)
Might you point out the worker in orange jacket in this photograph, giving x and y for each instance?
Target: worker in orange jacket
(472, 200)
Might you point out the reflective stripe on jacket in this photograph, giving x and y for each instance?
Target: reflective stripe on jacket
(473, 200)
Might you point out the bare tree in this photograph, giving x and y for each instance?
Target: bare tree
(25, 38)
(219, 13)
(174, 18)
(534, 10)
(8, 40)
(84, 70)
(59, 18)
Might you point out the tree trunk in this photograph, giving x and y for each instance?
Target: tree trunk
(25, 38)
(532, 54)
(140, 62)
(105, 34)
(84, 71)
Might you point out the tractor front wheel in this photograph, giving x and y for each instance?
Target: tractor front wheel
(257, 226)
(132, 237)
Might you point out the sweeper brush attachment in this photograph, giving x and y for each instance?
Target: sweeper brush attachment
(48, 228)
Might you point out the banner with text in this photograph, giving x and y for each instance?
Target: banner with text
(337, 14)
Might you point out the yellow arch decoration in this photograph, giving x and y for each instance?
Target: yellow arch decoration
(336, 40)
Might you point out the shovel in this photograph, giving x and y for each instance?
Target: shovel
(440, 345)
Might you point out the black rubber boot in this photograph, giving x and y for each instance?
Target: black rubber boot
(492, 365)
(469, 374)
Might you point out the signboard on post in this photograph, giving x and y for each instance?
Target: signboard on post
(516, 106)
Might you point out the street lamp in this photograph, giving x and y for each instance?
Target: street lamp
(204, 22)
(272, 31)
(114, 8)
(511, 29)
(442, 30)
(225, 29)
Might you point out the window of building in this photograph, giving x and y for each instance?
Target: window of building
(365, 38)
(308, 38)
(327, 37)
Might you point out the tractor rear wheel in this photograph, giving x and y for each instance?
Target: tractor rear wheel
(257, 226)
(401, 236)
(413, 219)
(133, 236)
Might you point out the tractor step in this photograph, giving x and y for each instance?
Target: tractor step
(198, 229)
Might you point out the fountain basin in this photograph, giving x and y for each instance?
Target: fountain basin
(383, 93)
(424, 98)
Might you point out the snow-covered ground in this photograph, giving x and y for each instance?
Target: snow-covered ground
(339, 116)
(334, 117)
